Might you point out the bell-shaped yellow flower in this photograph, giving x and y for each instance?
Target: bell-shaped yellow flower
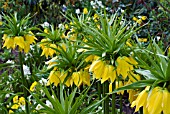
(19, 40)
(141, 99)
(112, 73)
(165, 101)
(85, 77)
(22, 101)
(54, 78)
(52, 51)
(69, 82)
(123, 66)
(132, 95)
(30, 38)
(15, 99)
(133, 77)
(76, 78)
(155, 101)
(32, 87)
(15, 106)
(119, 84)
(85, 11)
(105, 75)
(9, 42)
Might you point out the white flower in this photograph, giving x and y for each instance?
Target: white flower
(64, 8)
(26, 70)
(158, 38)
(49, 104)
(61, 26)
(43, 81)
(38, 107)
(10, 61)
(113, 1)
(122, 11)
(78, 11)
(92, 3)
(45, 24)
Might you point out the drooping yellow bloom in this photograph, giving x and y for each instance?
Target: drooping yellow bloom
(142, 39)
(119, 84)
(155, 101)
(105, 74)
(46, 31)
(9, 42)
(54, 78)
(85, 77)
(66, 26)
(48, 48)
(22, 101)
(165, 101)
(143, 18)
(32, 87)
(112, 73)
(11, 112)
(123, 66)
(139, 21)
(19, 40)
(15, 99)
(15, 106)
(133, 77)
(30, 38)
(132, 95)
(141, 99)
(134, 18)
(85, 11)
(69, 82)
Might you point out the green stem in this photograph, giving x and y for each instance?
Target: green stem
(24, 82)
(99, 87)
(113, 99)
(121, 104)
(106, 101)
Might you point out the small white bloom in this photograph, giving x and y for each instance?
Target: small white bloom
(99, 3)
(43, 81)
(26, 70)
(113, 1)
(45, 24)
(7, 95)
(61, 26)
(122, 11)
(158, 38)
(92, 3)
(77, 11)
(49, 104)
(38, 107)
(10, 61)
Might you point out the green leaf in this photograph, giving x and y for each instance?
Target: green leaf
(135, 85)
(168, 72)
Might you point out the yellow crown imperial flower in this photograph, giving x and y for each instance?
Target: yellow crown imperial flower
(22, 101)
(19, 40)
(134, 18)
(155, 100)
(15, 106)
(143, 18)
(32, 87)
(141, 100)
(9, 42)
(54, 78)
(15, 99)
(85, 11)
(139, 21)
